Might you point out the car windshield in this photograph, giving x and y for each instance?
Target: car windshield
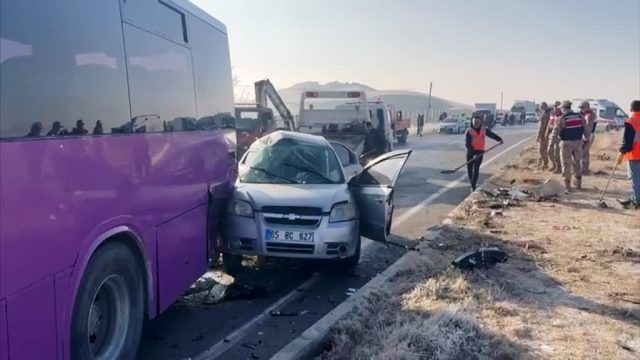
(621, 114)
(294, 162)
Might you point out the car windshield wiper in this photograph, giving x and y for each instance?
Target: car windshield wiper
(269, 173)
(311, 171)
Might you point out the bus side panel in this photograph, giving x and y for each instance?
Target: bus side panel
(182, 254)
(32, 322)
(71, 70)
(63, 311)
(4, 344)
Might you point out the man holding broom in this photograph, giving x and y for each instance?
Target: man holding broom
(475, 142)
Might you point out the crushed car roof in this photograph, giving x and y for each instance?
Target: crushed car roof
(280, 135)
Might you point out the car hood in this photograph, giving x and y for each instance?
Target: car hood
(307, 195)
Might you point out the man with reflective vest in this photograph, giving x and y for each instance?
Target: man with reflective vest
(543, 136)
(572, 130)
(554, 140)
(590, 118)
(475, 139)
(630, 150)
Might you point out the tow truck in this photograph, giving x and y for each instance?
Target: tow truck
(254, 120)
(338, 116)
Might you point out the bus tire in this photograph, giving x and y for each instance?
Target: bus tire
(109, 306)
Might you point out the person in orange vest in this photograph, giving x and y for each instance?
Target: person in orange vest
(554, 141)
(630, 150)
(475, 139)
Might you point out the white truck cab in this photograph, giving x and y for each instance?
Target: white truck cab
(341, 115)
(380, 116)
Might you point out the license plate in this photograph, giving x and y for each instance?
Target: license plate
(304, 236)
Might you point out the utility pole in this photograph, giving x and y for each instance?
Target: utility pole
(429, 102)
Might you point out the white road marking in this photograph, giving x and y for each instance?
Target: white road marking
(409, 213)
(230, 340)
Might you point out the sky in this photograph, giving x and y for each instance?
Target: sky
(471, 50)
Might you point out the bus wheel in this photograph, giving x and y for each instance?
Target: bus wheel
(109, 307)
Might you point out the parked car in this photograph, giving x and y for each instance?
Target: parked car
(294, 199)
(452, 125)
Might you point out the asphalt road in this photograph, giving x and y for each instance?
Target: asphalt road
(239, 324)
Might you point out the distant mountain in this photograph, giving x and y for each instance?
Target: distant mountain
(408, 101)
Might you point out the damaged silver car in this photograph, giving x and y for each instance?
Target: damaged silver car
(293, 200)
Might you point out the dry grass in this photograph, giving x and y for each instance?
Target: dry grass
(571, 287)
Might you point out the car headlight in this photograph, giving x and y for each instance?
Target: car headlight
(342, 212)
(241, 208)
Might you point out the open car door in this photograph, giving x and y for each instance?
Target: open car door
(373, 191)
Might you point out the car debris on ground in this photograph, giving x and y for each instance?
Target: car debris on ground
(482, 258)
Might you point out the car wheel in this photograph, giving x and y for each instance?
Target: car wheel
(109, 308)
(232, 263)
(353, 260)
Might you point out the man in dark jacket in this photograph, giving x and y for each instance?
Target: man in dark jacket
(420, 124)
(374, 142)
(572, 130)
(475, 142)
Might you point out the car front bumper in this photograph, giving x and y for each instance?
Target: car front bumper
(246, 236)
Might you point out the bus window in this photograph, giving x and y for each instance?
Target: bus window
(161, 68)
(157, 17)
(89, 83)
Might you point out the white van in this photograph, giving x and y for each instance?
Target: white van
(608, 113)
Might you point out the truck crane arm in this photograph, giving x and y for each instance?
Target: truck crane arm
(265, 90)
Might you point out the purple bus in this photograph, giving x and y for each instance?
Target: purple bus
(117, 150)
